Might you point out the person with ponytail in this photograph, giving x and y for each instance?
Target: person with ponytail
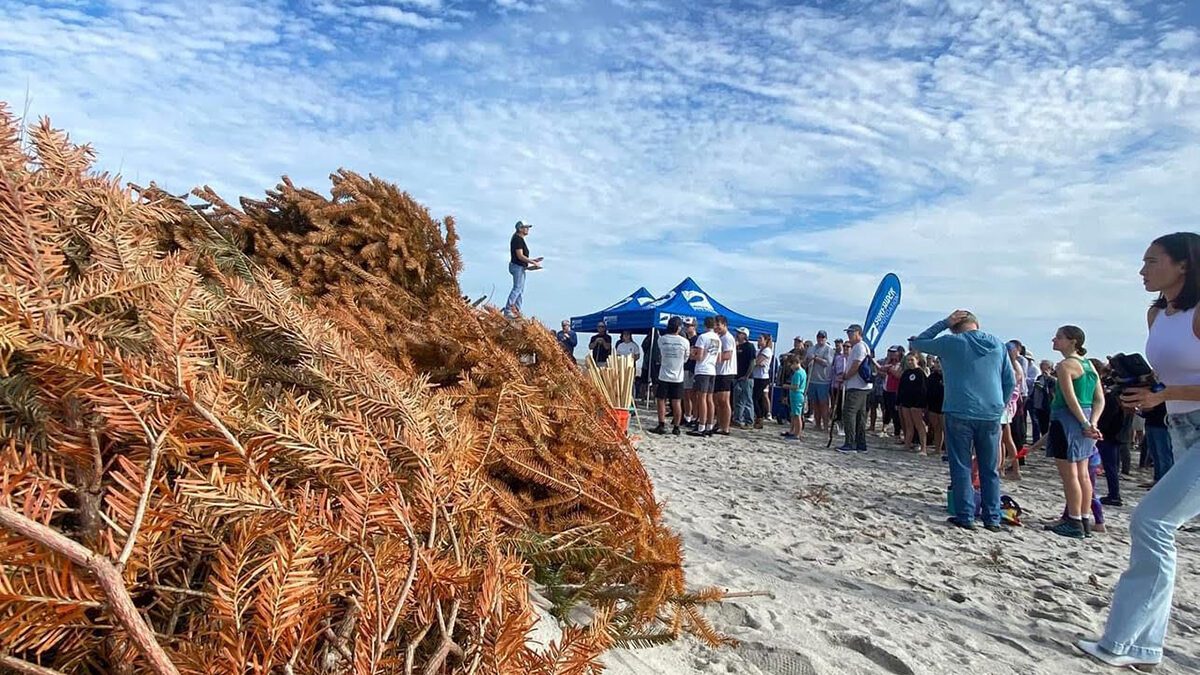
(1141, 606)
(1074, 413)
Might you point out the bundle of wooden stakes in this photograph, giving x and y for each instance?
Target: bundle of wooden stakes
(615, 380)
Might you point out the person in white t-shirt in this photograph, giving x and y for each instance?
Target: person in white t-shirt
(762, 379)
(726, 374)
(854, 411)
(705, 352)
(674, 349)
(627, 347)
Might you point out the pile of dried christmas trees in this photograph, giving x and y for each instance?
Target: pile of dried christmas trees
(275, 439)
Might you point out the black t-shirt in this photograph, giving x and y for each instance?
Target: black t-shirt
(745, 359)
(1155, 417)
(602, 349)
(518, 244)
(690, 365)
(912, 385)
(935, 390)
(1112, 420)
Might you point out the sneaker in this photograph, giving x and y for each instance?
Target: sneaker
(846, 450)
(708, 433)
(993, 527)
(1072, 529)
(660, 429)
(675, 430)
(1110, 501)
(958, 523)
(758, 424)
(1094, 650)
(698, 434)
(861, 450)
(788, 434)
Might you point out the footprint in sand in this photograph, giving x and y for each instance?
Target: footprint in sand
(876, 654)
(776, 661)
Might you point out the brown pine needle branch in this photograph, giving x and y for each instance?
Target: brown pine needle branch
(144, 497)
(26, 667)
(105, 574)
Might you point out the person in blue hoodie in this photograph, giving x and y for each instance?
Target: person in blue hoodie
(978, 381)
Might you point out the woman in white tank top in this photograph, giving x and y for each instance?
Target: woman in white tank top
(1141, 604)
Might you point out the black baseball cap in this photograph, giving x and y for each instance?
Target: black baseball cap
(822, 334)
(521, 223)
(854, 328)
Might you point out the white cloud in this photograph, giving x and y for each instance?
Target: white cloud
(395, 15)
(784, 157)
(1180, 40)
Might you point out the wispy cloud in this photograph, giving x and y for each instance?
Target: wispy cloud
(1012, 156)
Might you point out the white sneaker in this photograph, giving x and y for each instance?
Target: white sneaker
(1094, 650)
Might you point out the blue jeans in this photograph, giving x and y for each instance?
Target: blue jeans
(743, 401)
(1158, 442)
(514, 297)
(983, 437)
(1141, 604)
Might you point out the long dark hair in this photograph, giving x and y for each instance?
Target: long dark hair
(1182, 247)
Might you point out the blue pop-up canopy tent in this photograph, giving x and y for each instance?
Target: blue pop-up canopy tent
(612, 316)
(686, 299)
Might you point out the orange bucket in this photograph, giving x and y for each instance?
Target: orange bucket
(619, 419)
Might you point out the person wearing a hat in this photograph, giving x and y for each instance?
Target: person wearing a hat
(743, 386)
(518, 263)
(854, 411)
(819, 361)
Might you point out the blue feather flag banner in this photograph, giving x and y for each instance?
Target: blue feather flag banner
(883, 308)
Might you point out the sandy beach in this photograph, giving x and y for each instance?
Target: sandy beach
(866, 577)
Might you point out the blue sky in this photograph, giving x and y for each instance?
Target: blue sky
(1013, 157)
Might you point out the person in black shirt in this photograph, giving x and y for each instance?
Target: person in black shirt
(743, 385)
(912, 399)
(935, 396)
(518, 263)
(601, 344)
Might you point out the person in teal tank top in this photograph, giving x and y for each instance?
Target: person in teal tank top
(1074, 412)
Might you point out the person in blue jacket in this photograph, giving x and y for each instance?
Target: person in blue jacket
(567, 339)
(978, 381)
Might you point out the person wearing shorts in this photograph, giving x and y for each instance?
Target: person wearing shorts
(726, 375)
(796, 390)
(1074, 413)
(818, 360)
(674, 350)
(705, 352)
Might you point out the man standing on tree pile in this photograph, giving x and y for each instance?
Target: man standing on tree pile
(519, 262)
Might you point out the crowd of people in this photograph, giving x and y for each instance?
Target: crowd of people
(983, 405)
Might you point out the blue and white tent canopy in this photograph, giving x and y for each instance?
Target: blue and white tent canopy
(611, 315)
(686, 299)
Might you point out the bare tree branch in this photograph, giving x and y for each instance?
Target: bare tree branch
(26, 667)
(106, 575)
